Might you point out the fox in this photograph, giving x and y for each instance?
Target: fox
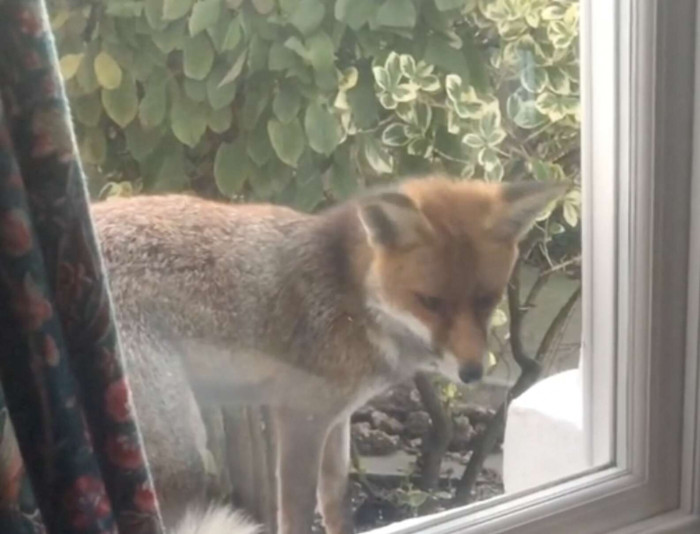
(219, 303)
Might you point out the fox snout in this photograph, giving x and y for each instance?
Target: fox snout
(471, 372)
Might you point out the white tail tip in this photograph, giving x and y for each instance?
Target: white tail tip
(216, 520)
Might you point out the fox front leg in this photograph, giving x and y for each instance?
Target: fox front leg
(333, 487)
(300, 439)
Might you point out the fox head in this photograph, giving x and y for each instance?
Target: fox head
(441, 254)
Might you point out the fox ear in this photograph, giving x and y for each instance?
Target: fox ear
(522, 203)
(392, 220)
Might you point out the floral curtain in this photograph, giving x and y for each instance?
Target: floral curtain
(71, 457)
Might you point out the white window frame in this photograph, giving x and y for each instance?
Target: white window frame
(640, 62)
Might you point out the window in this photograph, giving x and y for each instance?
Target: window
(177, 70)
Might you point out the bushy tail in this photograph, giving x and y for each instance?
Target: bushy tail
(216, 520)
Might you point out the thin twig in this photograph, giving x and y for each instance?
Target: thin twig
(534, 292)
(556, 325)
(563, 265)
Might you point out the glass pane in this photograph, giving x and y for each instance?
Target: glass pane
(255, 333)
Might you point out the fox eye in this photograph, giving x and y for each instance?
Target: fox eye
(430, 303)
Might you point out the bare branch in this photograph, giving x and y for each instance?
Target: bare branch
(436, 442)
(555, 328)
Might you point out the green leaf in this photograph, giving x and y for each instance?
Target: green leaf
(258, 147)
(93, 147)
(263, 6)
(171, 174)
(473, 140)
(125, 9)
(198, 57)
(381, 76)
(404, 93)
(446, 5)
(406, 111)
(534, 79)
(175, 9)
(488, 158)
(87, 109)
(561, 34)
(407, 65)
(257, 96)
(231, 167)
(555, 228)
(287, 102)
(557, 107)
(355, 13)
(281, 57)
(287, 140)
(171, 38)
(309, 187)
(320, 52)
(362, 100)
(489, 123)
(423, 116)
(219, 120)
(217, 31)
(233, 35)
(107, 71)
(377, 157)
(397, 14)
(154, 14)
(195, 90)
(559, 81)
(271, 180)
(554, 12)
(343, 182)
(541, 170)
(219, 95)
(395, 135)
(187, 120)
(153, 106)
(571, 207)
(307, 16)
(348, 79)
(438, 52)
(205, 13)
(120, 52)
(323, 129)
(141, 142)
(570, 214)
(420, 147)
(522, 110)
(392, 65)
(235, 71)
(477, 65)
(86, 73)
(295, 45)
(121, 104)
(69, 65)
(258, 53)
(143, 66)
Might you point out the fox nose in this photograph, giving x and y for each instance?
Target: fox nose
(471, 372)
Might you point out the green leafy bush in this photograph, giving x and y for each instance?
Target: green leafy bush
(304, 101)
